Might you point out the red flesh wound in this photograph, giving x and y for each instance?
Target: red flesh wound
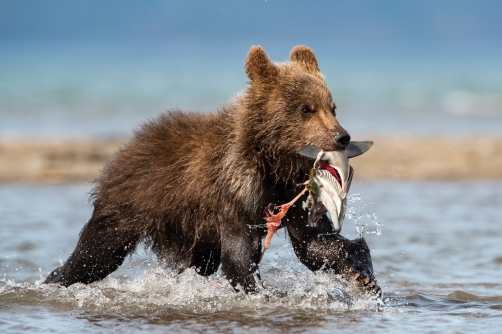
(332, 170)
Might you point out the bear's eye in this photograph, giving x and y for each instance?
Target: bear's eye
(333, 111)
(305, 110)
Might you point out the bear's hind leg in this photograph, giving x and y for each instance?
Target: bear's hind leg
(101, 249)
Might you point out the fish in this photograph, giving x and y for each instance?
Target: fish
(329, 182)
(328, 185)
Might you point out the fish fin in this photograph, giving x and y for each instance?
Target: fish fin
(356, 148)
(309, 151)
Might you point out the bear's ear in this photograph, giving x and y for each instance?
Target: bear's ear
(304, 57)
(258, 65)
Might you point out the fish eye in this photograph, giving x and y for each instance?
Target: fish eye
(305, 110)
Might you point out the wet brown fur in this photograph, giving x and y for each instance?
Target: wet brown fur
(190, 184)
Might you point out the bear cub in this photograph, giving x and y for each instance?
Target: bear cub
(193, 186)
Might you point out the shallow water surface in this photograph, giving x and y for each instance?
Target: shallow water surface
(438, 260)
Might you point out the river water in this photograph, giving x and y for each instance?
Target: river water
(437, 258)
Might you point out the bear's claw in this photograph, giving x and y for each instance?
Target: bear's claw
(367, 281)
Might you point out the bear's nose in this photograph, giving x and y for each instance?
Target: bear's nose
(342, 138)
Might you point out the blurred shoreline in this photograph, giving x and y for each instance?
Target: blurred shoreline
(391, 158)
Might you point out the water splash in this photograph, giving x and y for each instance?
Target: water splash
(359, 217)
(158, 290)
(378, 225)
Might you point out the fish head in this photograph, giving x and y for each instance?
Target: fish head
(333, 177)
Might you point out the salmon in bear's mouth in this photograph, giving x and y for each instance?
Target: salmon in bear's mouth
(329, 182)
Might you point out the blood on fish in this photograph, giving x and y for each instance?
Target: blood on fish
(332, 170)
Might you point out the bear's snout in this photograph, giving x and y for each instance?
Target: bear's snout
(342, 138)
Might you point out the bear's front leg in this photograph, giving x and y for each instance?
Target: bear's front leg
(332, 251)
(240, 254)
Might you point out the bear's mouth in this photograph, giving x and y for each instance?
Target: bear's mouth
(332, 170)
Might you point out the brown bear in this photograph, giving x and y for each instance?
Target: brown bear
(193, 186)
